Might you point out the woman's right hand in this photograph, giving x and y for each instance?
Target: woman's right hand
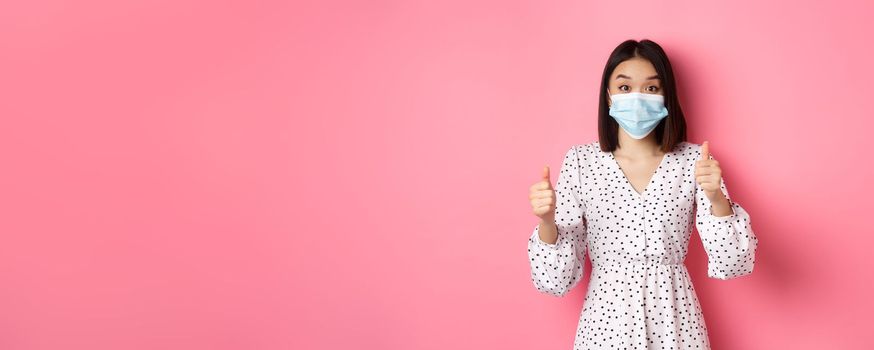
(542, 197)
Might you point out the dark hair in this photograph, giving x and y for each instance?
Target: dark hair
(672, 129)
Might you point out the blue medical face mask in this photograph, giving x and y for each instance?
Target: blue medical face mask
(638, 113)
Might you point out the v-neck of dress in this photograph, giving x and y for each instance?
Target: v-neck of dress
(639, 195)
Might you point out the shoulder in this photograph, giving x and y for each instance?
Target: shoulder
(587, 149)
(583, 153)
(688, 150)
(686, 145)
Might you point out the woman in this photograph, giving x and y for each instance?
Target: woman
(629, 200)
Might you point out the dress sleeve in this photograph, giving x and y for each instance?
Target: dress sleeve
(729, 240)
(557, 268)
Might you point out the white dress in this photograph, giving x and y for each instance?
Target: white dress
(639, 295)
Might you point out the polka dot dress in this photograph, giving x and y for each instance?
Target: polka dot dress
(639, 295)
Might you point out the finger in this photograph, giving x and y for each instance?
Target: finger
(541, 202)
(708, 169)
(708, 161)
(544, 206)
(706, 179)
(705, 150)
(540, 186)
(545, 175)
(541, 194)
(542, 211)
(711, 163)
(703, 172)
(707, 166)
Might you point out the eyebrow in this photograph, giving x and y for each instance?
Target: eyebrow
(620, 76)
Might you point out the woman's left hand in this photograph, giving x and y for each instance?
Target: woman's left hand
(709, 175)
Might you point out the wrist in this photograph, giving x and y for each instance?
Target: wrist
(721, 207)
(547, 221)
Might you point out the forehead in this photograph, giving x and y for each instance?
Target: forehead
(635, 69)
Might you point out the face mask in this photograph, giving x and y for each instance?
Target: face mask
(638, 113)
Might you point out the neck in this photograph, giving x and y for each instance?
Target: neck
(629, 146)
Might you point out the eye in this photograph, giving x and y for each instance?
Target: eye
(652, 88)
(621, 87)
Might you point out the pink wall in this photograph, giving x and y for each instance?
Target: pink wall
(354, 175)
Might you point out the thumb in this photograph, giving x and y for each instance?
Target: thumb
(705, 150)
(546, 175)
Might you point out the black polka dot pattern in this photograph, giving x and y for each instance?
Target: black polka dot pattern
(640, 295)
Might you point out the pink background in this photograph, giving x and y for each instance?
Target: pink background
(354, 175)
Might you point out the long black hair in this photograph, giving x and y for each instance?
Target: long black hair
(672, 129)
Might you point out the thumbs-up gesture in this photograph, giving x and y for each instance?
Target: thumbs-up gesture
(542, 197)
(709, 175)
